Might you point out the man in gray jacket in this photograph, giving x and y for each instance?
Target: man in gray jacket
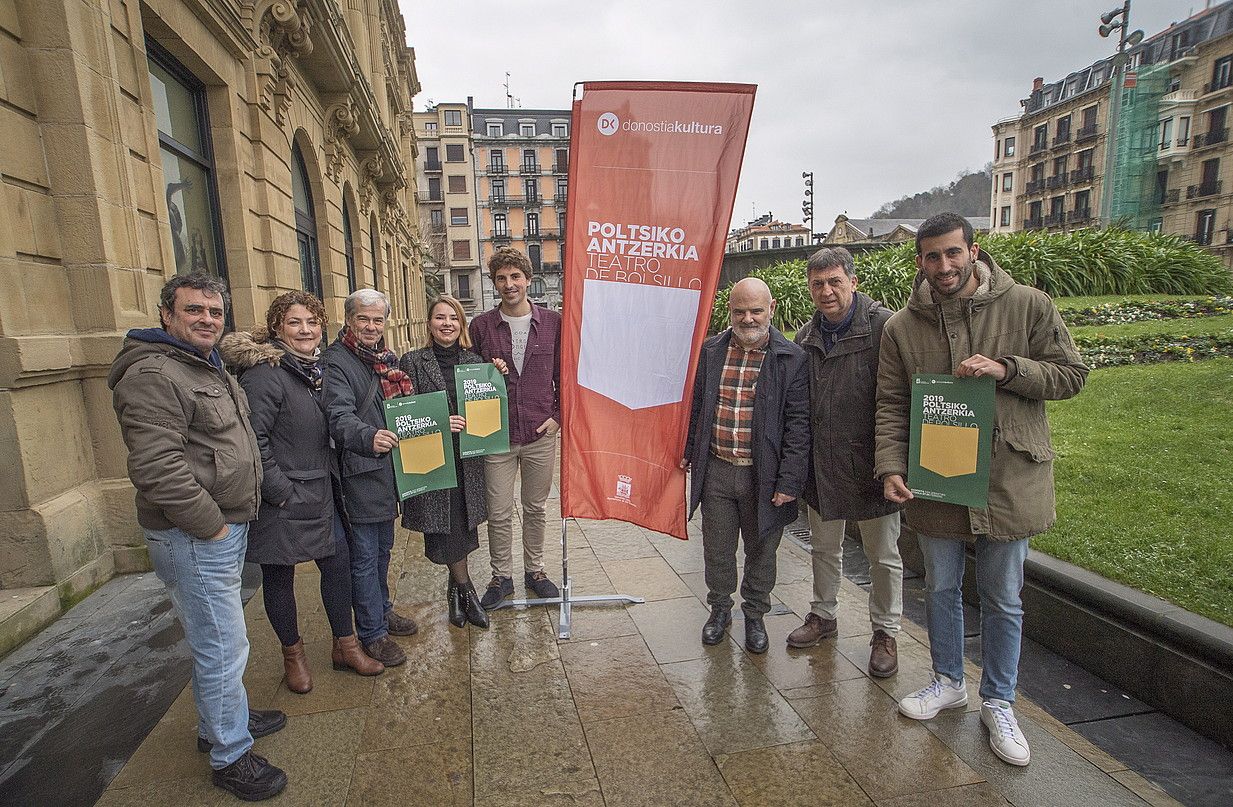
(194, 462)
(841, 342)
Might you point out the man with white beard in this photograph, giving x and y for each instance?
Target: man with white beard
(748, 448)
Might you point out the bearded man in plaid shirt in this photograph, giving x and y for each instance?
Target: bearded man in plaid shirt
(748, 451)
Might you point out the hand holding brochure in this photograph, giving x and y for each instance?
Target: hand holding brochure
(424, 459)
(951, 439)
(483, 401)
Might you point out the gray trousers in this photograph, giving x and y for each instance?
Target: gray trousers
(729, 510)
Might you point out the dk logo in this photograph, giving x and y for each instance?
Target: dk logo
(608, 124)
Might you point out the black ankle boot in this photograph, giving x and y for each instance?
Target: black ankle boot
(475, 612)
(454, 597)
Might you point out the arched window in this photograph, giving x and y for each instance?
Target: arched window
(534, 254)
(348, 245)
(305, 224)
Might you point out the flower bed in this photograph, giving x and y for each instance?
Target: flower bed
(1128, 311)
(1099, 351)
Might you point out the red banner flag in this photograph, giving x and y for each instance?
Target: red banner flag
(652, 179)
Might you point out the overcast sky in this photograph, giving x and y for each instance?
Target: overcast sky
(878, 99)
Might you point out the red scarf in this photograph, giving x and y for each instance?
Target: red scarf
(384, 363)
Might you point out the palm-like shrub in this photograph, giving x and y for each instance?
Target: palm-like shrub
(1085, 262)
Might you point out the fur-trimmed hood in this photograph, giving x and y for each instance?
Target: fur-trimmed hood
(243, 350)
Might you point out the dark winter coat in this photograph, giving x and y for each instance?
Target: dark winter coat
(429, 512)
(355, 411)
(296, 519)
(1004, 320)
(780, 426)
(843, 391)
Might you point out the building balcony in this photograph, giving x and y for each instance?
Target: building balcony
(1033, 223)
(1061, 139)
(1083, 174)
(495, 170)
(560, 168)
(1034, 186)
(1217, 86)
(1056, 181)
(1203, 189)
(546, 234)
(1211, 138)
(529, 169)
(1079, 215)
(1180, 97)
(1085, 133)
(551, 268)
(430, 198)
(533, 201)
(498, 201)
(560, 201)
(432, 167)
(1055, 219)
(500, 238)
(1038, 147)
(1171, 196)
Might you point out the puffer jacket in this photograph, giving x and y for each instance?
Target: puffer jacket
(842, 398)
(296, 520)
(429, 512)
(1004, 320)
(192, 455)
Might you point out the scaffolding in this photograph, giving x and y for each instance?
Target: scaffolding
(1136, 198)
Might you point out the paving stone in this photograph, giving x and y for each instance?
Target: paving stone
(860, 724)
(793, 775)
(672, 628)
(655, 759)
(592, 621)
(650, 578)
(615, 678)
(1195, 770)
(979, 795)
(1056, 777)
(318, 752)
(793, 669)
(732, 705)
(438, 773)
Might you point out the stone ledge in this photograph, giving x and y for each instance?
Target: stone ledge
(24, 612)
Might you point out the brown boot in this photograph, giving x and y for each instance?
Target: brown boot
(814, 630)
(884, 658)
(386, 651)
(295, 667)
(347, 653)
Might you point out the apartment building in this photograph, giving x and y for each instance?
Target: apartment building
(521, 166)
(1172, 158)
(447, 202)
(765, 232)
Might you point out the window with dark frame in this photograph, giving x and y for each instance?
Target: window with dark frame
(460, 250)
(434, 189)
(1205, 227)
(463, 284)
(457, 183)
(453, 117)
(1005, 220)
(188, 166)
(1007, 182)
(348, 246)
(1010, 147)
(455, 153)
(500, 224)
(1222, 73)
(458, 217)
(526, 129)
(495, 129)
(531, 189)
(560, 130)
(532, 225)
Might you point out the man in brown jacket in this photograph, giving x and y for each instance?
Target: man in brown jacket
(968, 317)
(193, 460)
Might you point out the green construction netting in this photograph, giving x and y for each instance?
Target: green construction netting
(1136, 199)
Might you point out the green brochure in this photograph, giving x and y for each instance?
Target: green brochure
(951, 439)
(424, 459)
(483, 401)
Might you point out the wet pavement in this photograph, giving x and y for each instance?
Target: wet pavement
(631, 710)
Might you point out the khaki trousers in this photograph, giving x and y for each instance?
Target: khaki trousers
(880, 538)
(536, 462)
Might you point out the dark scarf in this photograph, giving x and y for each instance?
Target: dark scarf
(307, 369)
(831, 331)
(447, 359)
(384, 363)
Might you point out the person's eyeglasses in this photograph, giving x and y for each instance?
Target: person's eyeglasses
(194, 310)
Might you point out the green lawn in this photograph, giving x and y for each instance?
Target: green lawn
(1144, 458)
(1088, 302)
(1194, 326)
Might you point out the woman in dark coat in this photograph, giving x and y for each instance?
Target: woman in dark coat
(449, 518)
(299, 519)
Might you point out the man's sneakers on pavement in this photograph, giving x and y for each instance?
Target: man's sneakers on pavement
(251, 778)
(1005, 737)
(942, 693)
(498, 589)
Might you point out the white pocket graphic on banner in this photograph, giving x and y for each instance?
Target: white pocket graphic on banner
(635, 341)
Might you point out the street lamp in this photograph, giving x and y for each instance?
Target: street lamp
(1110, 22)
(807, 202)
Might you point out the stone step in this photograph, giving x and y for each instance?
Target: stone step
(24, 612)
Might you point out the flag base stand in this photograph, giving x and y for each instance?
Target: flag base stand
(566, 600)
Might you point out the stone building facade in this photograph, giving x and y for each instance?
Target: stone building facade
(268, 142)
(765, 232)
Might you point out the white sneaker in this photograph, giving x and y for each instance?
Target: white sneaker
(943, 693)
(1005, 737)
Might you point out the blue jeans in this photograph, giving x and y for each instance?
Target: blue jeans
(203, 579)
(370, 577)
(999, 580)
